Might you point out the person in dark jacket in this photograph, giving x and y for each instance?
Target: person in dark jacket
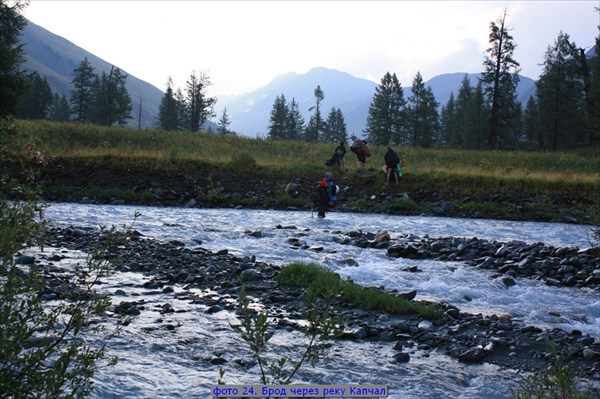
(337, 159)
(340, 153)
(326, 194)
(392, 163)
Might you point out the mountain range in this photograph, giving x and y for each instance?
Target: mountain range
(55, 58)
(250, 112)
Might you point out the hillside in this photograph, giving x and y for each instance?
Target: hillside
(55, 58)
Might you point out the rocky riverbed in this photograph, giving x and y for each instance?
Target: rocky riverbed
(565, 266)
(469, 338)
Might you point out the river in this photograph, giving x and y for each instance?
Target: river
(155, 362)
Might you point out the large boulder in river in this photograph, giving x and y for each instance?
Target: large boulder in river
(403, 251)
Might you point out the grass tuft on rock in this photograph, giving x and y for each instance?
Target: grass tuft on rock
(313, 277)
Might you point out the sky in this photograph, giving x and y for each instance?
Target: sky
(243, 45)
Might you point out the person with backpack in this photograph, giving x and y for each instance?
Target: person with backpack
(362, 152)
(337, 159)
(326, 195)
(340, 152)
(392, 163)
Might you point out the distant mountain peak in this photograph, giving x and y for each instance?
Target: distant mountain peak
(55, 58)
(250, 112)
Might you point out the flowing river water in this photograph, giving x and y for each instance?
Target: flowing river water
(161, 363)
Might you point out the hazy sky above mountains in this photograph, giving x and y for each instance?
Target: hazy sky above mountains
(243, 45)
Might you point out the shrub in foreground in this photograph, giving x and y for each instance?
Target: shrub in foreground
(558, 381)
(43, 352)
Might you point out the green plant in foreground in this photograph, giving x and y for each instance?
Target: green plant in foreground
(559, 381)
(43, 352)
(254, 330)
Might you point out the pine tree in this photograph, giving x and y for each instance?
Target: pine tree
(295, 122)
(476, 120)
(500, 78)
(385, 119)
(200, 106)
(560, 95)
(111, 102)
(167, 110)
(423, 119)
(318, 120)
(35, 102)
(122, 99)
(98, 107)
(60, 110)
(415, 102)
(12, 78)
(335, 127)
(531, 129)
(183, 114)
(310, 131)
(224, 122)
(81, 93)
(465, 92)
(518, 124)
(593, 122)
(448, 128)
(279, 119)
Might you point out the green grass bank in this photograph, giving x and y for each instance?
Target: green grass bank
(171, 168)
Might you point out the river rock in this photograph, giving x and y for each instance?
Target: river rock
(250, 275)
(24, 260)
(508, 281)
(473, 355)
(381, 236)
(590, 354)
(408, 295)
(402, 251)
(361, 333)
(425, 325)
(401, 357)
(398, 346)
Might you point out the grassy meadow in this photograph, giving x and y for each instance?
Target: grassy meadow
(461, 172)
(166, 148)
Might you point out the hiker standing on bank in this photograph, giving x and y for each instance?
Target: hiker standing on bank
(340, 153)
(392, 163)
(362, 152)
